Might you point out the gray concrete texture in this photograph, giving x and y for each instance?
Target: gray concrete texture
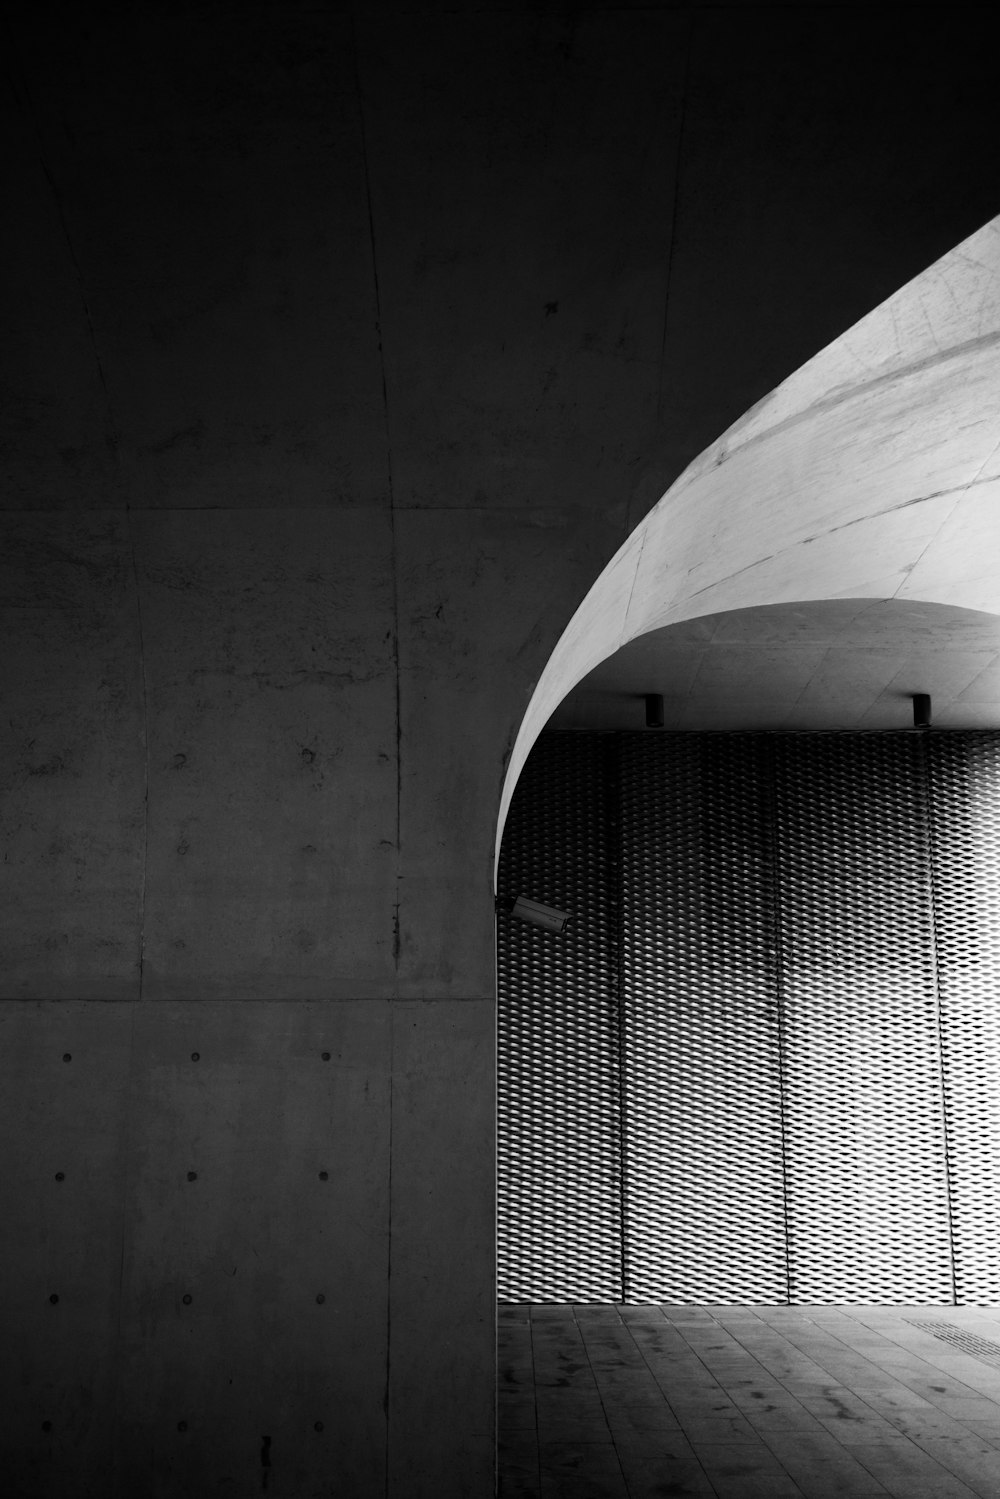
(342, 348)
(270, 1163)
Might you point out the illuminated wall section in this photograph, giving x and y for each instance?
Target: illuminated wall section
(763, 1062)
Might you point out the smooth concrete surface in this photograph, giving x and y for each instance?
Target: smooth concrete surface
(197, 197)
(286, 1272)
(270, 690)
(291, 1169)
(803, 1402)
(73, 781)
(830, 664)
(520, 371)
(63, 1147)
(873, 473)
(441, 1414)
(341, 349)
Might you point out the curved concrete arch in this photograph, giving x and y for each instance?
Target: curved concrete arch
(873, 472)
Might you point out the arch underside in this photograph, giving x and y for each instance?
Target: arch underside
(872, 475)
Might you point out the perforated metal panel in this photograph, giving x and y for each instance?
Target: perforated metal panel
(965, 805)
(559, 1128)
(705, 1214)
(781, 1079)
(865, 1146)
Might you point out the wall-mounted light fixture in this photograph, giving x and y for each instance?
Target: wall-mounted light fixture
(921, 710)
(532, 911)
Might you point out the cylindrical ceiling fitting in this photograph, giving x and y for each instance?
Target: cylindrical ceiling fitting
(921, 710)
(654, 710)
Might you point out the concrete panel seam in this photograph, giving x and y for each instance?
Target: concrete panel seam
(145, 752)
(678, 159)
(388, 1250)
(394, 568)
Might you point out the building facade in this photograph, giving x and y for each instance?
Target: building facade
(343, 349)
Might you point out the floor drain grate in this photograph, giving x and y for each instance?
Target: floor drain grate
(968, 1342)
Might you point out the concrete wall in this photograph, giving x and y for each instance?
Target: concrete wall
(342, 351)
(872, 474)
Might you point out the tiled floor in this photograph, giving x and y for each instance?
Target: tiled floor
(629, 1402)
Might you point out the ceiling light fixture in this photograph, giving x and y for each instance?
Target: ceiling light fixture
(921, 710)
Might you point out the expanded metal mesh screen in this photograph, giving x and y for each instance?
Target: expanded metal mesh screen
(866, 1182)
(964, 788)
(559, 1124)
(702, 1118)
(764, 1062)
